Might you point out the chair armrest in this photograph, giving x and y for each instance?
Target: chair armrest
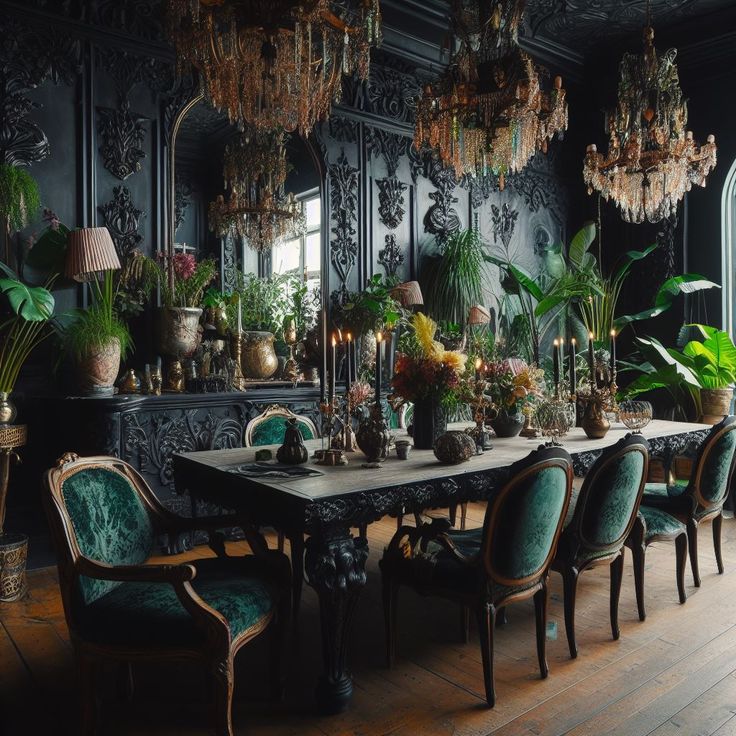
(136, 573)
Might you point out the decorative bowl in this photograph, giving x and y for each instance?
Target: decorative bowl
(635, 415)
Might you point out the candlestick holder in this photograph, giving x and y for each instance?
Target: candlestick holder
(374, 437)
(530, 431)
(236, 347)
(349, 443)
(328, 411)
(600, 398)
(291, 367)
(480, 402)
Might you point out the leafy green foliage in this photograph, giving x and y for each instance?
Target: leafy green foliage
(19, 197)
(94, 327)
(452, 281)
(32, 303)
(370, 310)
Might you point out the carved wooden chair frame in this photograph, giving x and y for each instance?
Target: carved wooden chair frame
(218, 648)
(276, 410)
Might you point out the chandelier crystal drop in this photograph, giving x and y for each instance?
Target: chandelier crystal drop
(489, 112)
(274, 64)
(257, 208)
(652, 159)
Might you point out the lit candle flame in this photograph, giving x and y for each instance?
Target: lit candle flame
(334, 341)
(379, 337)
(478, 362)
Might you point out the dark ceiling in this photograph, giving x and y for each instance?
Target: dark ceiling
(585, 25)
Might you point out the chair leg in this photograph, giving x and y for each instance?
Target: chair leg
(570, 587)
(681, 556)
(390, 617)
(278, 649)
(281, 540)
(617, 573)
(486, 614)
(453, 514)
(399, 520)
(463, 515)
(717, 524)
(465, 624)
(540, 610)
(692, 540)
(296, 543)
(87, 680)
(125, 682)
(224, 681)
(501, 618)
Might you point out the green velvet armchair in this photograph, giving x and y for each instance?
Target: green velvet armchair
(604, 514)
(104, 520)
(505, 561)
(702, 497)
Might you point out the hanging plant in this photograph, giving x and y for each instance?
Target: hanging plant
(19, 197)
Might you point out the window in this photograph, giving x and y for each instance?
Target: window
(303, 255)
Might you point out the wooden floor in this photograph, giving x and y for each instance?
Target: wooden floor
(673, 674)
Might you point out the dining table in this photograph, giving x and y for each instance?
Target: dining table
(317, 507)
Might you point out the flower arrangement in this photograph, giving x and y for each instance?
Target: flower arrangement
(513, 384)
(424, 368)
(190, 278)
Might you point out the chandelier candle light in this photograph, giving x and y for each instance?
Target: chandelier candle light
(652, 159)
(488, 113)
(274, 64)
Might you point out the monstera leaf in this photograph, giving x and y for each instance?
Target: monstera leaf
(32, 303)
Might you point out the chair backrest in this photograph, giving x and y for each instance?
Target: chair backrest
(712, 471)
(269, 427)
(524, 520)
(609, 498)
(98, 509)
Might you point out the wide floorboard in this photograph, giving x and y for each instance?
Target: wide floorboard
(675, 673)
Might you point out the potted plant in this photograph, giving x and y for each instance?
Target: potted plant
(513, 386)
(428, 376)
(182, 290)
(259, 306)
(704, 370)
(19, 200)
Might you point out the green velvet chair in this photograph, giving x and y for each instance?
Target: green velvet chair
(702, 498)
(604, 514)
(505, 561)
(104, 520)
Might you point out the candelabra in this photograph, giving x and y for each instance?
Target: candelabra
(600, 399)
(291, 368)
(347, 435)
(329, 455)
(236, 346)
(480, 402)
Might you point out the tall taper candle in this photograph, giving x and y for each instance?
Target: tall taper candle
(573, 369)
(240, 317)
(613, 352)
(478, 363)
(332, 372)
(349, 362)
(379, 368)
(561, 361)
(591, 360)
(556, 361)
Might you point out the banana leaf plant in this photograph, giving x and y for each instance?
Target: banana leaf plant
(31, 308)
(706, 362)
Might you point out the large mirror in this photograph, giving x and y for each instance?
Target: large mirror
(213, 216)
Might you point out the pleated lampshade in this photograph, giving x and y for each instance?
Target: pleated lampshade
(479, 315)
(408, 294)
(90, 250)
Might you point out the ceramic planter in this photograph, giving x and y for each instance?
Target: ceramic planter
(259, 358)
(98, 368)
(508, 425)
(716, 403)
(178, 331)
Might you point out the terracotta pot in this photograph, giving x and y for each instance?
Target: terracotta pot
(716, 403)
(179, 334)
(259, 359)
(98, 368)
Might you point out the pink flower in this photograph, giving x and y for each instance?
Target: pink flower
(184, 265)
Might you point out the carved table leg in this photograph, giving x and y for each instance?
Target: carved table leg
(335, 565)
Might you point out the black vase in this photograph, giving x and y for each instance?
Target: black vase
(293, 451)
(508, 425)
(429, 422)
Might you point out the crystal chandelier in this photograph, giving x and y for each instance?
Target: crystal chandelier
(257, 208)
(488, 112)
(652, 158)
(274, 64)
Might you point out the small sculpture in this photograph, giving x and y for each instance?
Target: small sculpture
(293, 451)
(130, 383)
(175, 377)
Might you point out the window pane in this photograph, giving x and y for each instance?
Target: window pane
(313, 213)
(313, 258)
(287, 257)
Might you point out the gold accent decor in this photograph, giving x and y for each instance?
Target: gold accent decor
(488, 113)
(276, 64)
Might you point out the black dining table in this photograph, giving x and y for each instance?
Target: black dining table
(318, 510)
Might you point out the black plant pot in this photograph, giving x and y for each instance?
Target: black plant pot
(508, 425)
(429, 422)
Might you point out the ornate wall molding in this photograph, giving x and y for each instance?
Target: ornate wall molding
(441, 219)
(122, 219)
(392, 91)
(28, 57)
(391, 257)
(182, 200)
(344, 188)
(391, 146)
(122, 133)
(504, 221)
(391, 201)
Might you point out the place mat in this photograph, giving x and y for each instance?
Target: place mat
(272, 470)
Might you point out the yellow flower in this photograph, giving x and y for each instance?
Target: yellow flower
(424, 328)
(455, 360)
